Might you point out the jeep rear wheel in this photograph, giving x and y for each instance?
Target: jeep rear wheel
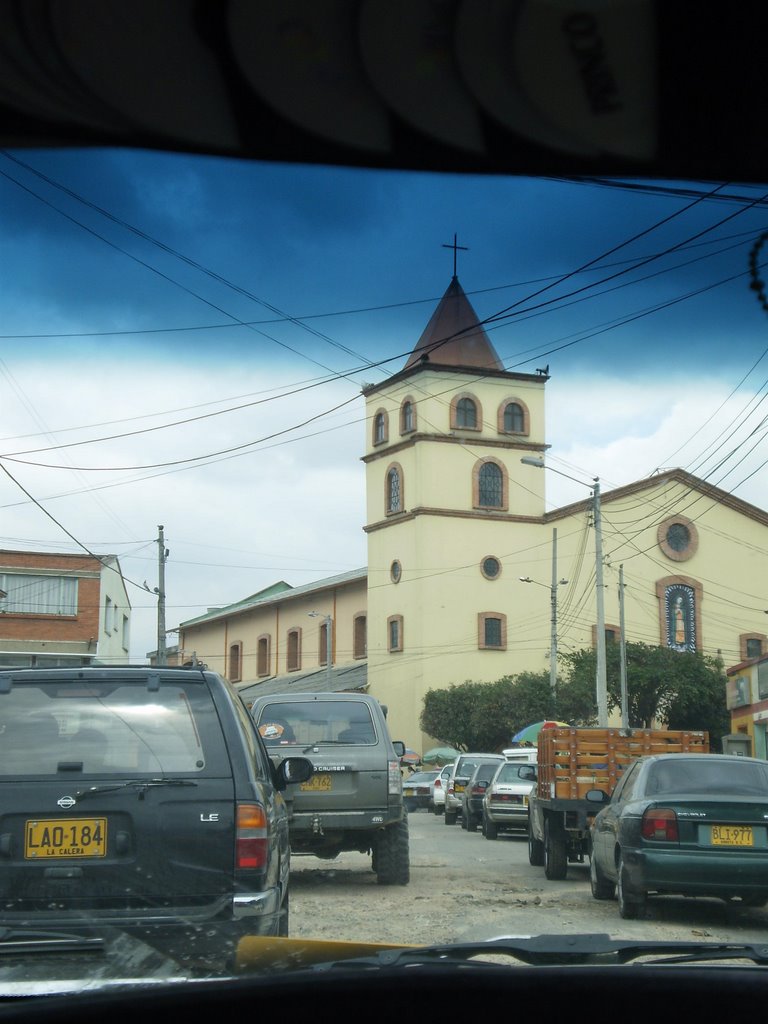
(391, 859)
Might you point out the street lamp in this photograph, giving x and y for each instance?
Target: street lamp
(601, 684)
(327, 621)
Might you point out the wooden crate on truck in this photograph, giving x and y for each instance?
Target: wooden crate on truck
(573, 761)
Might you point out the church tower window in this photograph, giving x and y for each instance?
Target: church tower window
(394, 490)
(466, 413)
(407, 417)
(489, 485)
(380, 427)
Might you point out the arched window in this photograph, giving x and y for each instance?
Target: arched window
(360, 636)
(514, 420)
(394, 490)
(490, 486)
(235, 662)
(380, 427)
(407, 417)
(466, 413)
(262, 655)
(293, 652)
(513, 417)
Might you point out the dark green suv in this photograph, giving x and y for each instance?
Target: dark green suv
(142, 801)
(354, 800)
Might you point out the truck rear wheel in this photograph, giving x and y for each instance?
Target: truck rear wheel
(555, 851)
(535, 847)
(392, 860)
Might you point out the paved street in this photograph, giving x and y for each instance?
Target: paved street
(464, 886)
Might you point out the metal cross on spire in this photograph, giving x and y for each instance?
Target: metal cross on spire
(455, 247)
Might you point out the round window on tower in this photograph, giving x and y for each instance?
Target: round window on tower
(490, 567)
(395, 571)
(678, 538)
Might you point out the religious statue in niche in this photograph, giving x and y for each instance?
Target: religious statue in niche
(680, 616)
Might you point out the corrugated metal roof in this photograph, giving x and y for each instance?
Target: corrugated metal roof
(269, 596)
(341, 679)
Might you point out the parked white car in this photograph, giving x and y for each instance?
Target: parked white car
(439, 786)
(505, 803)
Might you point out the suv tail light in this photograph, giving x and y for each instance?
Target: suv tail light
(251, 843)
(660, 823)
(395, 778)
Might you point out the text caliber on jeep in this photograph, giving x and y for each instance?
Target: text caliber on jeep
(354, 800)
(140, 802)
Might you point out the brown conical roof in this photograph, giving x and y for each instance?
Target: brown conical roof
(454, 337)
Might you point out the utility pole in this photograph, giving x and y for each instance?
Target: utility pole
(602, 680)
(553, 635)
(162, 656)
(328, 647)
(623, 654)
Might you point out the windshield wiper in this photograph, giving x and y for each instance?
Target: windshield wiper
(325, 743)
(15, 941)
(142, 785)
(560, 950)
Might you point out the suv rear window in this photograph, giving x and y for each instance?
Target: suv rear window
(108, 727)
(316, 721)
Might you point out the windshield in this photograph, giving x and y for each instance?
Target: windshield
(487, 448)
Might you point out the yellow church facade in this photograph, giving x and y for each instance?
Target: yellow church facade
(469, 577)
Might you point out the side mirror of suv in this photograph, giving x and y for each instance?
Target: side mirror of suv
(399, 747)
(292, 770)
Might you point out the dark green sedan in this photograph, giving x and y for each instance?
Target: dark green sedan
(683, 824)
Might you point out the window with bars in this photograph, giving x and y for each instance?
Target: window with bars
(394, 490)
(490, 492)
(492, 631)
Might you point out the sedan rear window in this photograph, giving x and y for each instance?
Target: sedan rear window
(705, 776)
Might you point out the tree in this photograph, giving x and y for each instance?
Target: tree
(679, 690)
(485, 716)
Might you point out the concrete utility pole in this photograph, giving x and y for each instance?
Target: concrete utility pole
(162, 654)
(601, 684)
(623, 654)
(553, 614)
(553, 632)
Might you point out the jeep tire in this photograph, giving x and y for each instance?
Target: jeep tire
(391, 857)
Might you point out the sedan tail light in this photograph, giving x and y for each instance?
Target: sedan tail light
(251, 843)
(660, 823)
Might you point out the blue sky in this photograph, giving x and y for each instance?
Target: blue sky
(160, 313)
